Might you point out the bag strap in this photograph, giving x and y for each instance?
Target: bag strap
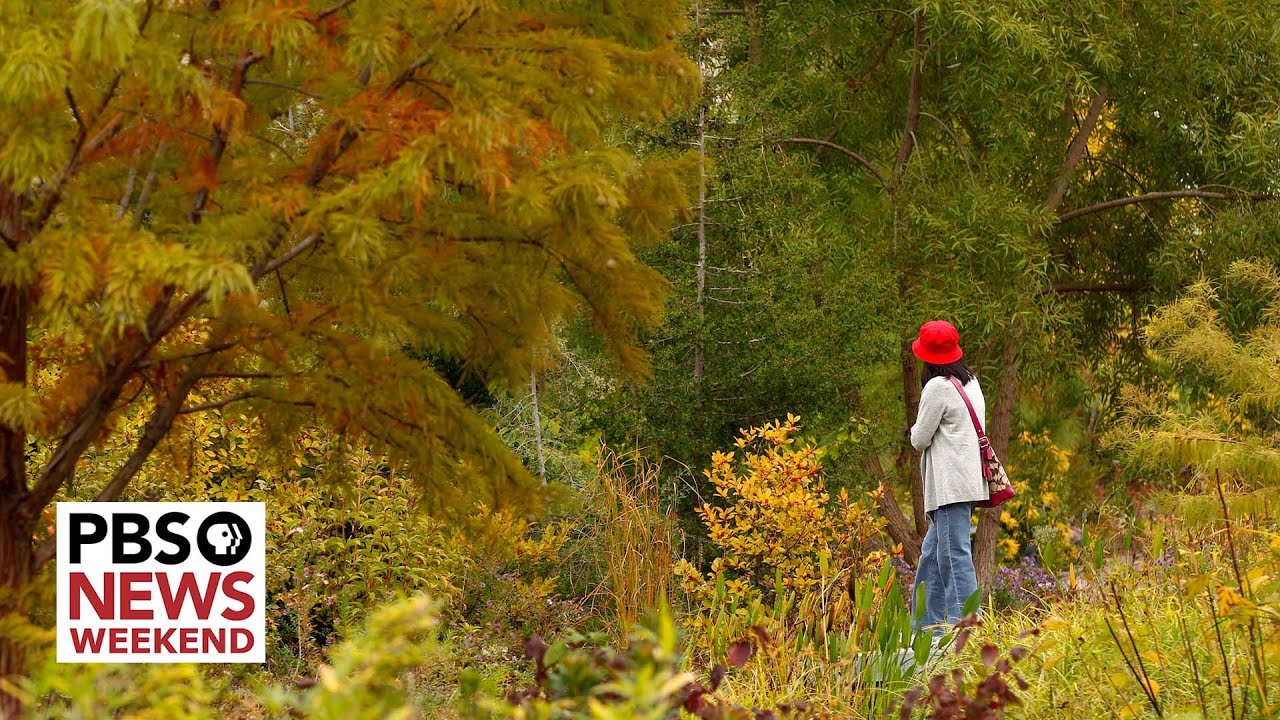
(982, 437)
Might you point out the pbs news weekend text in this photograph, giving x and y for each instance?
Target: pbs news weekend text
(161, 582)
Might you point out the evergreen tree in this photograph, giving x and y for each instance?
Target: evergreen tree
(288, 204)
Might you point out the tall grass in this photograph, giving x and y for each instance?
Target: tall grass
(847, 648)
(637, 539)
(1193, 633)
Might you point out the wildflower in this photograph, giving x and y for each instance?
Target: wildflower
(1010, 548)
(1008, 520)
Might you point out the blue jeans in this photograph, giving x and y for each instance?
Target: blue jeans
(946, 568)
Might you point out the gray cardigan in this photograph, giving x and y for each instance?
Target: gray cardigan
(944, 434)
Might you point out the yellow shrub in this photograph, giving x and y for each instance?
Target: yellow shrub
(774, 521)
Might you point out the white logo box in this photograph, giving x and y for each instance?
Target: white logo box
(164, 608)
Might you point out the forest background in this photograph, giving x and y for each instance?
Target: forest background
(588, 322)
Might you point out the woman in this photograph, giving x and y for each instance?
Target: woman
(944, 434)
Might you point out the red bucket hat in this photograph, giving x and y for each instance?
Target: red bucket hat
(938, 344)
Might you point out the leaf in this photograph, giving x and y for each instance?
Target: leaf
(535, 648)
(989, 655)
(557, 651)
(740, 652)
(1054, 623)
(717, 676)
(761, 635)
(1152, 685)
(105, 32)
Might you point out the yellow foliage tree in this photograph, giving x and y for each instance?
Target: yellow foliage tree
(296, 206)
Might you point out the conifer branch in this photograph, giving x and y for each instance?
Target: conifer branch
(209, 350)
(290, 254)
(268, 141)
(148, 183)
(416, 65)
(284, 294)
(95, 413)
(157, 427)
(239, 375)
(284, 86)
(328, 156)
(218, 146)
(215, 404)
(1166, 195)
(127, 196)
(53, 195)
(75, 110)
(334, 9)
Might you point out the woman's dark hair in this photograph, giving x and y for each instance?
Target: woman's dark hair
(955, 369)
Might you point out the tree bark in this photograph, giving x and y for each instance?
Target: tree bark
(999, 423)
(15, 573)
(537, 425)
(15, 525)
(909, 460)
(896, 524)
(698, 361)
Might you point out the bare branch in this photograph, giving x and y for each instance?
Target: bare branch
(1076, 150)
(1166, 195)
(239, 375)
(1113, 287)
(955, 139)
(215, 404)
(840, 149)
(884, 53)
(210, 350)
(913, 97)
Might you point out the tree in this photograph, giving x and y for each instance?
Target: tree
(1216, 413)
(287, 205)
(1036, 172)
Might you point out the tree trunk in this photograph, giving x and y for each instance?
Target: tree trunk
(897, 526)
(15, 573)
(15, 526)
(537, 426)
(909, 459)
(698, 361)
(755, 51)
(998, 426)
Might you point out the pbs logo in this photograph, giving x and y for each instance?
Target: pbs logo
(224, 538)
